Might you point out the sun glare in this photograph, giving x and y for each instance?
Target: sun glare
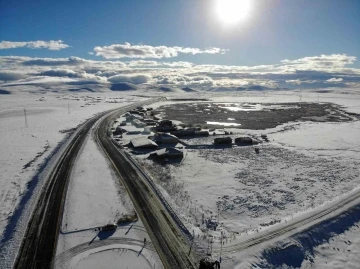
(232, 11)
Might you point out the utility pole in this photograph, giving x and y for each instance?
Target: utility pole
(221, 241)
(26, 122)
(208, 247)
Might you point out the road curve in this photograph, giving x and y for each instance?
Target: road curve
(169, 241)
(40, 240)
(72, 252)
(39, 244)
(300, 224)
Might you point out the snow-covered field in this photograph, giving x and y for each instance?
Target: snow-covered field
(95, 198)
(29, 146)
(303, 166)
(342, 251)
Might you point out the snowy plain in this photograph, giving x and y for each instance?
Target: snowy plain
(304, 165)
(323, 156)
(30, 146)
(95, 198)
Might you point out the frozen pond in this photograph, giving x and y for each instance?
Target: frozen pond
(239, 107)
(223, 123)
(252, 107)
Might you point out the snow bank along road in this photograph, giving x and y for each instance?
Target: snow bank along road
(39, 245)
(40, 240)
(72, 252)
(300, 224)
(168, 239)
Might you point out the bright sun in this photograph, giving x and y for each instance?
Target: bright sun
(232, 11)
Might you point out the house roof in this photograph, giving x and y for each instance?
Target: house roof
(167, 136)
(143, 142)
(167, 151)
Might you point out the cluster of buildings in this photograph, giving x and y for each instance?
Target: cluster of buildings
(242, 140)
(156, 135)
(163, 135)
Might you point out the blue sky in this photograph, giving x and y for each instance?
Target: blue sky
(274, 30)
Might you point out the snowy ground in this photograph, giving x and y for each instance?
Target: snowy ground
(95, 198)
(28, 150)
(303, 166)
(342, 251)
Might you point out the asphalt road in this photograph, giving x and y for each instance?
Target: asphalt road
(166, 236)
(40, 241)
(39, 245)
(300, 224)
(38, 248)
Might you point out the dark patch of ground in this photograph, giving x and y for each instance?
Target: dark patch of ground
(165, 89)
(122, 87)
(187, 89)
(4, 92)
(81, 90)
(197, 114)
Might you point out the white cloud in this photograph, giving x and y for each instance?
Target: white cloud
(294, 81)
(268, 83)
(54, 62)
(145, 63)
(334, 80)
(308, 72)
(50, 45)
(321, 62)
(299, 82)
(127, 50)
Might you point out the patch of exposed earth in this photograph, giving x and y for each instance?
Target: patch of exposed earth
(252, 115)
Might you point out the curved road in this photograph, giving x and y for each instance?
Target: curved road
(300, 224)
(39, 244)
(168, 239)
(72, 252)
(40, 240)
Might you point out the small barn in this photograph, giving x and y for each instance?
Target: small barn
(150, 122)
(119, 131)
(139, 124)
(167, 153)
(143, 142)
(223, 141)
(165, 138)
(131, 117)
(182, 133)
(165, 123)
(202, 133)
(165, 126)
(245, 140)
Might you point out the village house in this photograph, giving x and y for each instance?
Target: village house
(143, 142)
